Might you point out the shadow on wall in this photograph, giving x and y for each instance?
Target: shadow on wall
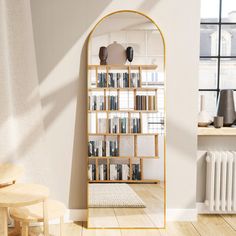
(61, 24)
(58, 27)
(78, 181)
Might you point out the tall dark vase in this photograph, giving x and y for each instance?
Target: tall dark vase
(130, 54)
(226, 106)
(103, 54)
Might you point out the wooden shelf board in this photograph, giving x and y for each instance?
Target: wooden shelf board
(211, 131)
(124, 157)
(120, 134)
(122, 111)
(126, 181)
(122, 67)
(123, 89)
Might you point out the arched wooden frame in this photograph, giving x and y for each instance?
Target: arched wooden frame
(164, 69)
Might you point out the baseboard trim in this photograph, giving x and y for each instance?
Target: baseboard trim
(181, 214)
(171, 215)
(203, 209)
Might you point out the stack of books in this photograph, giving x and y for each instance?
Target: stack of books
(118, 125)
(112, 148)
(119, 171)
(97, 148)
(136, 172)
(118, 80)
(102, 80)
(134, 80)
(92, 172)
(112, 102)
(135, 125)
(102, 148)
(96, 103)
(102, 171)
(145, 102)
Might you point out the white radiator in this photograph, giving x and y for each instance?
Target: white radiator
(221, 181)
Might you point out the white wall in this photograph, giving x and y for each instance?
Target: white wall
(60, 29)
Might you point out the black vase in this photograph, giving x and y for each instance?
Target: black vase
(226, 106)
(130, 54)
(103, 54)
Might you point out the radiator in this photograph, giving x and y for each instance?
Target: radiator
(221, 181)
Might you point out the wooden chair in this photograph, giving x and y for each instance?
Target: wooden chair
(23, 216)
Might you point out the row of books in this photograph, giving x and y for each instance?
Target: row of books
(118, 80)
(101, 148)
(145, 102)
(119, 125)
(117, 172)
(96, 103)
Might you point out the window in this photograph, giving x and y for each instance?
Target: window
(217, 50)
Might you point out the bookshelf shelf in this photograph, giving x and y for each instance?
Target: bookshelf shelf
(126, 181)
(122, 111)
(110, 92)
(122, 134)
(123, 157)
(125, 89)
(122, 67)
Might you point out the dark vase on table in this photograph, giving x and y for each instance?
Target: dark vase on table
(130, 54)
(103, 54)
(226, 106)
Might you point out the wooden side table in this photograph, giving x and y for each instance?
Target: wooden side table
(19, 195)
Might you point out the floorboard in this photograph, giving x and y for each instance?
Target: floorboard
(213, 225)
(231, 220)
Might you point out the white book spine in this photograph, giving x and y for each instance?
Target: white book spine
(90, 172)
(101, 172)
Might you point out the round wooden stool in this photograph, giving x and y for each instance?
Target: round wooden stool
(34, 213)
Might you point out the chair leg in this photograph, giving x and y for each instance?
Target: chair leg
(61, 225)
(25, 229)
(45, 218)
(17, 226)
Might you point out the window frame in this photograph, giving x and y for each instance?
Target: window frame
(219, 57)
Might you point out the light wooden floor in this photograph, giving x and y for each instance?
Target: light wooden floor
(151, 216)
(207, 225)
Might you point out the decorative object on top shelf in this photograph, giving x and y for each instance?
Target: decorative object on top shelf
(218, 121)
(116, 54)
(103, 54)
(204, 119)
(130, 54)
(226, 106)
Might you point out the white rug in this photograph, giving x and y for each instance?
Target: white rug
(113, 195)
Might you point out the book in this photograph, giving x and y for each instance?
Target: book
(102, 125)
(125, 172)
(102, 80)
(113, 172)
(136, 172)
(101, 172)
(145, 102)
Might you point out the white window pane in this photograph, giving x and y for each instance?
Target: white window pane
(210, 101)
(228, 40)
(210, 10)
(209, 36)
(208, 74)
(228, 11)
(228, 74)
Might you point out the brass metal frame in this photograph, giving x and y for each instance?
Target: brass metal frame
(164, 45)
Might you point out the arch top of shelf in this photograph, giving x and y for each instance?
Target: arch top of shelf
(123, 67)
